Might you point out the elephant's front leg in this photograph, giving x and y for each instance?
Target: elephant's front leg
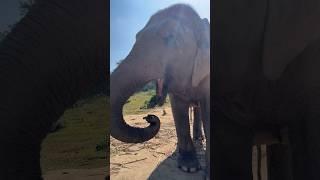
(305, 137)
(232, 149)
(279, 162)
(205, 111)
(187, 159)
(197, 124)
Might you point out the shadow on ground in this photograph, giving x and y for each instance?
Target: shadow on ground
(155, 159)
(168, 170)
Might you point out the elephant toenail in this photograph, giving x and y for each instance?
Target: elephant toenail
(193, 170)
(184, 168)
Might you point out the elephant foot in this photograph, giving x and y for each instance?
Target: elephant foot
(188, 162)
(199, 144)
(198, 138)
(207, 173)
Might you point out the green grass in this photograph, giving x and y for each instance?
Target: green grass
(85, 128)
(74, 146)
(138, 100)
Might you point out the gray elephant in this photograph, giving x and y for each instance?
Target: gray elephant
(195, 112)
(266, 78)
(197, 123)
(174, 46)
(55, 55)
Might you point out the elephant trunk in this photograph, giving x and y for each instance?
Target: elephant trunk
(125, 81)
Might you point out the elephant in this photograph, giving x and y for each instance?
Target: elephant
(52, 57)
(197, 123)
(174, 46)
(161, 94)
(278, 161)
(160, 97)
(266, 78)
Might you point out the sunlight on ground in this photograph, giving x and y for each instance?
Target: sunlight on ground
(136, 103)
(75, 145)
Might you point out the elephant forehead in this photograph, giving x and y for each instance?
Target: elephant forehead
(180, 12)
(166, 26)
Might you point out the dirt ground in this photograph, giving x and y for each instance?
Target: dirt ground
(77, 174)
(155, 159)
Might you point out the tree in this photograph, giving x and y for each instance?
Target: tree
(25, 6)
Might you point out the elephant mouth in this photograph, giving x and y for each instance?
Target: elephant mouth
(161, 93)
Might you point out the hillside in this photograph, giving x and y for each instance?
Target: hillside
(81, 142)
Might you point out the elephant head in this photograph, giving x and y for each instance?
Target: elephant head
(273, 34)
(171, 47)
(289, 30)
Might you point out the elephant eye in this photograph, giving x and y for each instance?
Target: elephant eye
(170, 40)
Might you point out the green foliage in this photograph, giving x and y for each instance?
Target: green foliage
(139, 102)
(145, 105)
(150, 86)
(148, 104)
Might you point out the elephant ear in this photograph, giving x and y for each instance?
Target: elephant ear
(201, 68)
(290, 26)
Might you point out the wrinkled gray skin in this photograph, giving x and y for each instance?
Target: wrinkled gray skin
(174, 45)
(53, 57)
(266, 77)
(197, 124)
(161, 95)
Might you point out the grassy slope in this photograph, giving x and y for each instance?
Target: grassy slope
(138, 100)
(74, 146)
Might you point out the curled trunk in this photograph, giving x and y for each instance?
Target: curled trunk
(125, 81)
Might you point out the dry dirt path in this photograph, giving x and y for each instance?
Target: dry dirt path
(77, 174)
(155, 159)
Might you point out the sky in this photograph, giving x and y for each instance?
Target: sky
(127, 17)
(9, 13)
